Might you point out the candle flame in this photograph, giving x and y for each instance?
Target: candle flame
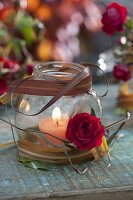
(56, 115)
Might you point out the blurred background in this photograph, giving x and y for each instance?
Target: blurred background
(33, 31)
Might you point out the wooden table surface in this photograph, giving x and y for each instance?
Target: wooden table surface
(61, 182)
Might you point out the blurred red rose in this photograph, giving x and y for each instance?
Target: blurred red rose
(85, 131)
(6, 13)
(113, 18)
(3, 86)
(29, 69)
(11, 65)
(122, 72)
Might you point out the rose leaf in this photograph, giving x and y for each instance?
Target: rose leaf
(34, 164)
(93, 112)
(129, 23)
(120, 111)
(23, 159)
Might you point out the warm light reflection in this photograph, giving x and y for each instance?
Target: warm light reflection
(25, 104)
(27, 108)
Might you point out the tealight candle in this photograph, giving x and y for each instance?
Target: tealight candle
(55, 125)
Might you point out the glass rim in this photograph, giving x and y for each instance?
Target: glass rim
(55, 69)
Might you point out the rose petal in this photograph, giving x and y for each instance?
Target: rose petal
(3, 86)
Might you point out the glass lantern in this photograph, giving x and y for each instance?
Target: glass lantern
(124, 54)
(45, 128)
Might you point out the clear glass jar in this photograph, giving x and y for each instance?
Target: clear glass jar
(54, 119)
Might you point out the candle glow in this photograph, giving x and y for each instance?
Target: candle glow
(56, 115)
(56, 125)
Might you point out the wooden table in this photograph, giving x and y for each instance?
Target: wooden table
(61, 182)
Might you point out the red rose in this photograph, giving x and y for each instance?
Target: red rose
(30, 68)
(85, 131)
(113, 18)
(122, 72)
(12, 66)
(3, 87)
(6, 13)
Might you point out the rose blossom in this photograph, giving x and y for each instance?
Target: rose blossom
(29, 68)
(85, 131)
(122, 72)
(113, 18)
(12, 66)
(3, 86)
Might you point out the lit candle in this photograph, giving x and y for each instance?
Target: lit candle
(55, 125)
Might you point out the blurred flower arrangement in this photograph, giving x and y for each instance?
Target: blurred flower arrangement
(32, 30)
(65, 21)
(18, 33)
(117, 23)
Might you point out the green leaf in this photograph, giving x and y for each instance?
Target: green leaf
(93, 112)
(34, 164)
(24, 23)
(27, 34)
(129, 23)
(4, 34)
(23, 159)
(120, 111)
(17, 48)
